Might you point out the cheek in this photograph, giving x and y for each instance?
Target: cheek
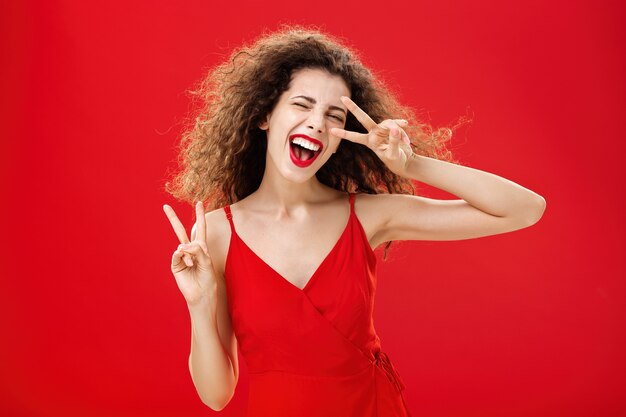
(335, 145)
(293, 116)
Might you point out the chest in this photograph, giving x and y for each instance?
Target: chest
(294, 250)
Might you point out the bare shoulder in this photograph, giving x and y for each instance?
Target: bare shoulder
(377, 213)
(369, 209)
(217, 237)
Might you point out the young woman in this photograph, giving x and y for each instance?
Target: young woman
(306, 160)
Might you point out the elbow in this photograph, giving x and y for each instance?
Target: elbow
(216, 404)
(541, 208)
(528, 214)
(217, 401)
(216, 407)
(535, 211)
(214, 394)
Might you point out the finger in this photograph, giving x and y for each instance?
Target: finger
(394, 137)
(382, 131)
(200, 222)
(389, 124)
(178, 260)
(186, 256)
(195, 248)
(199, 251)
(360, 115)
(405, 138)
(178, 227)
(351, 136)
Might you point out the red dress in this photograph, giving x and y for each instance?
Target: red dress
(312, 352)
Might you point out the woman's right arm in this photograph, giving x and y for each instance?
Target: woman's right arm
(213, 371)
(209, 364)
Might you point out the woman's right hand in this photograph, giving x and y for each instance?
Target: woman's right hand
(191, 263)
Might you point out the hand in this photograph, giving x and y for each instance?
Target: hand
(195, 281)
(387, 139)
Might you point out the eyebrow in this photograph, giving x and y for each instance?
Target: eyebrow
(313, 101)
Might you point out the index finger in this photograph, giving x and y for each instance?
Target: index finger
(200, 222)
(179, 229)
(360, 115)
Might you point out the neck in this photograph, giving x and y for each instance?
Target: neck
(279, 193)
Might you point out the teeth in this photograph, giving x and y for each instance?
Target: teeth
(306, 144)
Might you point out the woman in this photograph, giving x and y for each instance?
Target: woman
(307, 160)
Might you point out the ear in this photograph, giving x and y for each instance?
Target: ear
(265, 124)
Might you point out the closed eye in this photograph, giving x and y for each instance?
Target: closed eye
(332, 115)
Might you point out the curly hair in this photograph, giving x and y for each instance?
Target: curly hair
(222, 150)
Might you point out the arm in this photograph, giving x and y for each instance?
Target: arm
(212, 370)
(489, 204)
(209, 365)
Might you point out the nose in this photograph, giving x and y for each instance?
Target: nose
(316, 122)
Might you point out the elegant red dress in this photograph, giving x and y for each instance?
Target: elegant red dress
(312, 352)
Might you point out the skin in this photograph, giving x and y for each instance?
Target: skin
(291, 203)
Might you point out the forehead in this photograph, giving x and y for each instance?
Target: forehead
(317, 83)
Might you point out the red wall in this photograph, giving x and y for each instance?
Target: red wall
(529, 323)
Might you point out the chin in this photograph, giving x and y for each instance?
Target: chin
(299, 177)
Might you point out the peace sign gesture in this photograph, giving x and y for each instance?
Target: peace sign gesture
(195, 281)
(387, 139)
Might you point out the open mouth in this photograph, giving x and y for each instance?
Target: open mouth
(303, 151)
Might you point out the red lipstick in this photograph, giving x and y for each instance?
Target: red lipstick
(308, 162)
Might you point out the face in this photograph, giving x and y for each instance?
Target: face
(298, 128)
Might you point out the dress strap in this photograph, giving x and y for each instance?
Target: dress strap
(351, 203)
(229, 216)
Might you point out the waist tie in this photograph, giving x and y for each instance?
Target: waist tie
(382, 361)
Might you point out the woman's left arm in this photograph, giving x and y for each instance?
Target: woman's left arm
(489, 204)
(483, 190)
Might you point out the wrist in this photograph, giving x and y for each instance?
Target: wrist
(202, 305)
(410, 170)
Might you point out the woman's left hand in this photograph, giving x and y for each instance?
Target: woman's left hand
(387, 139)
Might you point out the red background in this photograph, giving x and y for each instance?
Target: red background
(529, 323)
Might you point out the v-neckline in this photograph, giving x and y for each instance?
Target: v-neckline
(319, 267)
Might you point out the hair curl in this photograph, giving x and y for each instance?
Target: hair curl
(222, 150)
